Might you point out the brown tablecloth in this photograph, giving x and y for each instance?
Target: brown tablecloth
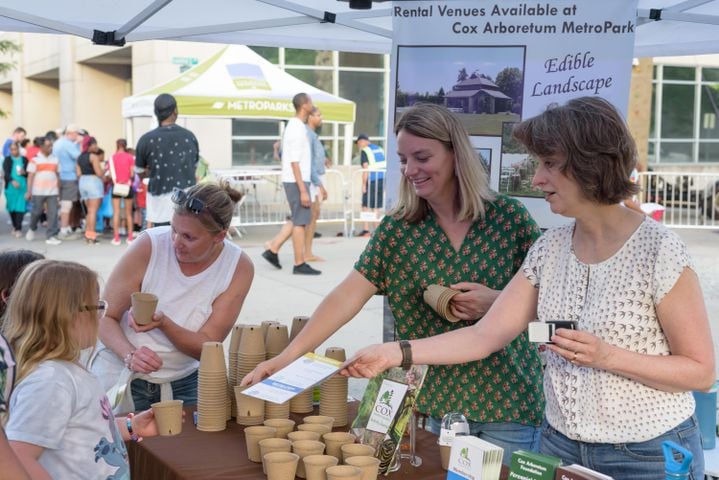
(223, 455)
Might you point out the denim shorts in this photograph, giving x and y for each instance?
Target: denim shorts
(638, 461)
(145, 393)
(508, 435)
(91, 187)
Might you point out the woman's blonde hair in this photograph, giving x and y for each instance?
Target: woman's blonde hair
(40, 321)
(219, 200)
(435, 122)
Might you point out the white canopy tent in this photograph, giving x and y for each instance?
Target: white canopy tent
(666, 27)
(236, 82)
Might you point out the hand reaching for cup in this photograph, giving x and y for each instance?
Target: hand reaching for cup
(473, 301)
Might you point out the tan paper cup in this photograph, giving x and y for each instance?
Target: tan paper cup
(276, 339)
(336, 353)
(212, 357)
(143, 306)
(304, 448)
(281, 465)
(321, 419)
(298, 323)
(315, 466)
(269, 445)
(444, 451)
(253, 435)
(252, 341)
(168, 416)
(235, 339)
(438, 297)
(283, 426)
(343, 472)
(314, 427)
(303, 435)
(248, 406)
(335, 440)
(368, 465)
(356, 450)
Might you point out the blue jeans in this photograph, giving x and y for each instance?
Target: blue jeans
(638, 461)
(508, 435)
(144, 393)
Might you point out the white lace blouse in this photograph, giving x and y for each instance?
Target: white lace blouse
(615, 300)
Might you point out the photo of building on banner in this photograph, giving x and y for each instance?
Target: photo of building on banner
(494, 64)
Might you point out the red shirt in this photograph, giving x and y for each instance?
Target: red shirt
(123, 162)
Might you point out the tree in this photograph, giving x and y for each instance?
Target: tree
(463, 75)
(509, 82)
(7, 48)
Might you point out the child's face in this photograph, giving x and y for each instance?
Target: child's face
(87, 323)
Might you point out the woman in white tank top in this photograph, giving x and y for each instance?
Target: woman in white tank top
(201, 280)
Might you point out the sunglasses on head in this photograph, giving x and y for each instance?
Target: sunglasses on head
(193, 204)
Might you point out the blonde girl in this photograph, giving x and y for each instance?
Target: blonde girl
(61, 424)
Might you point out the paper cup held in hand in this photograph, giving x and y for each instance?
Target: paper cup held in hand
(438, 297)
(143, 307)
(168, 416)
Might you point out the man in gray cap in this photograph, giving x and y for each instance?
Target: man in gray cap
(168, 156)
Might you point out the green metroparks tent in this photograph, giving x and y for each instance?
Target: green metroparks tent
(236, 82)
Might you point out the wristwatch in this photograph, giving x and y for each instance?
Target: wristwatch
(406, 348)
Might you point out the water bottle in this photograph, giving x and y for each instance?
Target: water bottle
(673, 469)
(453, 424)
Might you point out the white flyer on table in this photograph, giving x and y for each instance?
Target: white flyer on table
(305, 372)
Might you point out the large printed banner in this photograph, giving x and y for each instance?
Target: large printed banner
(497, 63)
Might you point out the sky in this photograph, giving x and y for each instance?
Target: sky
(425, 69)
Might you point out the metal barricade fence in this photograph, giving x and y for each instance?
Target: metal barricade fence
(264, 201)
(681, 200)
(367, 206)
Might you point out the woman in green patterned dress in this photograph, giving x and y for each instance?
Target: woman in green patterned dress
(448, 228)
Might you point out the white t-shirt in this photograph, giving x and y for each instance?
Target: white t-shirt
(296, 147)
(61, 407)
(615, 300)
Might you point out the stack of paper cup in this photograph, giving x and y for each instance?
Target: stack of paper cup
(232, 364)
(251, 351)
(298, 323)
(438, 297)
(333, 391)
(250, 410)
(276, 340)
(212, 389)
(266, 324)
(277, 410)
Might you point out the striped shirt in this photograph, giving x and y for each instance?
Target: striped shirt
(45, 180)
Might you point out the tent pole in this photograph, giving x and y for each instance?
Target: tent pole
(349, 133)
(140, 18)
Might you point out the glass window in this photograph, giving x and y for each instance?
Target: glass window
(676, 152)
(655, 69)
(321, 79)
(708, 127)
(255, 127)
(710, 74)
(252, 152)
(651, 152)
(679, 73)
(298, 56)
(271, 54)
(709, 152)
(366, 89)
(677, 111)
(365, 60)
